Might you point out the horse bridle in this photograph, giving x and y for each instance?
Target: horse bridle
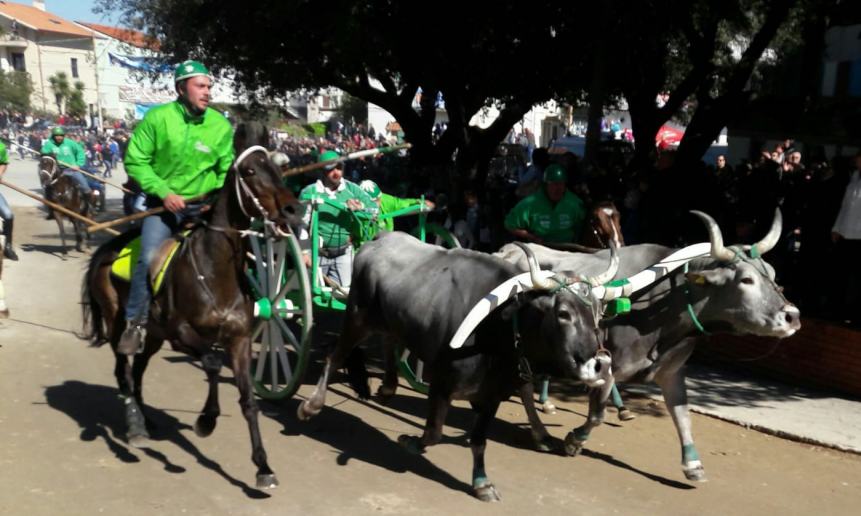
(51, 175)
(242, 187)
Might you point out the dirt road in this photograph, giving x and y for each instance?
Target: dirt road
(63, 452)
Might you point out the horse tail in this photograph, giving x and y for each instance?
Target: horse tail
(91, 311)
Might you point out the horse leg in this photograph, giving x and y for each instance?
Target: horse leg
(205, 423)
(136, 432)
(676, 397)
(576, 439)
(390, 378)
(59, 219)
(481, 486)
(139, 365)
(79, 235)
(540, 437)
(240, 355)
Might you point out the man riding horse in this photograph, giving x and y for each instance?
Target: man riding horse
(70, 153)
(5, 210)
(179, 150)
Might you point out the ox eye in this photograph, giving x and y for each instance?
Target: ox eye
(747, 281)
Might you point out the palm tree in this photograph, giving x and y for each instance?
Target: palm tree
(60, 86)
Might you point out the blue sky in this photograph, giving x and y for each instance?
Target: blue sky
(75, 10)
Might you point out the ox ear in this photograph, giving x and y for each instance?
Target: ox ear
(714, 277)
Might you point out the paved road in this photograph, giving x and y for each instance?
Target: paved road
(63, 449)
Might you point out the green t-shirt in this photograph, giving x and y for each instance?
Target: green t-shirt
(561, 223)
(335, 223)
(4, 156)
(172, 151)
(67, 153)
(389, 204)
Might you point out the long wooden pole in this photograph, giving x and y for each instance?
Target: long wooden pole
(137, 216)
(90, 222)
(355, 155)
(73, 167)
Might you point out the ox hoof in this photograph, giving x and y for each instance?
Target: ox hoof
(573, 446)
(138, 440)
(487, 493)
(266, 481)
(204, 426)
(544, 443)
(412, 444)
(696, 474)
(304, 412)
(547, 408)
(625, 414)
(385, 394)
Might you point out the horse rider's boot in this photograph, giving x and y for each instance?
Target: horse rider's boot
(8, 250)
(131, 341)
(94, 199)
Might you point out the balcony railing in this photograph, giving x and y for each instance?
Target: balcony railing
(10, 40)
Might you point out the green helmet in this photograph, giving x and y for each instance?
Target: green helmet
(328, 155)
(58, 131)
(187, 69)
(371, 188)
(555, 173)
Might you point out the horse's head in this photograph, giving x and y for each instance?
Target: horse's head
(257, 184)
(605, 222)
(47, 168)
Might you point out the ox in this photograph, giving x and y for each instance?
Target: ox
(418, 295)
(727, 290)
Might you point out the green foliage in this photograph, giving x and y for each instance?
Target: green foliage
(75, 103)
(60, 86)
(15, 90)
(316, 129)
(295, 130)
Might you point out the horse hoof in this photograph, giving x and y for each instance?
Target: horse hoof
(547, 408)
(696, 474)
(626, 415)
(266, 481)
(487, 493)
(411, 444)
(138, 440)
(304, 413)
(385, 394)
(573, 446)
(204, 426)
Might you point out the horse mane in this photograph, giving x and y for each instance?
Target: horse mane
(248, 134)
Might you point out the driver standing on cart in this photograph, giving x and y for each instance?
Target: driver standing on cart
(334, 222)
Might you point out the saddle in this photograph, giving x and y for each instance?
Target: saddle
(124, 265)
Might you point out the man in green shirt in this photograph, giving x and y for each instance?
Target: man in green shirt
(335, 220)
(552, 214)
(70, 153)
(5, 210)
(389, 203)
(179, 150)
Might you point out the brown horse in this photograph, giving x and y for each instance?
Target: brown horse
(604, 225)
(63, 190)
(205, 299)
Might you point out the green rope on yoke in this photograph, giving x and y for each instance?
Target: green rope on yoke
(697, 324)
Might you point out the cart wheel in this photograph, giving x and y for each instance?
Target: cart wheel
(437, 235)
(281, 339)
(412, 370)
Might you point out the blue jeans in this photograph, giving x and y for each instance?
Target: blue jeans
(154, 231)
(79, 178)
(5, 209)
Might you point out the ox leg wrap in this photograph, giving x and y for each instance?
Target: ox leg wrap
(575, 440)
(692, 466)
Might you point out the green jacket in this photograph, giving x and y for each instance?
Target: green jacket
(172, 151)
(560, 223)
(67, 153)
(389, 204)
(4, 156)
(334, 224)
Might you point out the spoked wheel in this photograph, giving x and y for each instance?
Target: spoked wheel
(413, 370)
(437, 235)
(281, 339)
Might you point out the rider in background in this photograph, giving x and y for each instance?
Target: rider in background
(179, 150)
(389, 203)
(70, 153)
(5, 210)
(335, 223)
(551, 214)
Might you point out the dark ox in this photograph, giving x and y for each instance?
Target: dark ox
(729, 290)
(418, 294)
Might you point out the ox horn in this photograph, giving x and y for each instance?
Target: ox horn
(534, 270)
(612, 269)
(718, 251)
(770, 240)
